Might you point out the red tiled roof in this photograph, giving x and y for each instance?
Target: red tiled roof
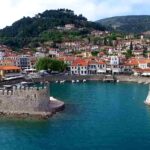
(132, 62)
(101, 62)
(80, 63)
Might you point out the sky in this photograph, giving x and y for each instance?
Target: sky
(13, 10)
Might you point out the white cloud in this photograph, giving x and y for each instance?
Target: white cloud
(12, 10)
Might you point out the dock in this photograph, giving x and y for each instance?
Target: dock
(109, 78)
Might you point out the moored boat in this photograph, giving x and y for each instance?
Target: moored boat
(73, 81)
(84, 80)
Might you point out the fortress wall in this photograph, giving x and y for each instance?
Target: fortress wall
(25, 100)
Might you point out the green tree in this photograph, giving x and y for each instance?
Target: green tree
(129, 54)
(43, 64)
(50, 64)
(105, 41)
(145, 52)
(131, 46)
(95, 53)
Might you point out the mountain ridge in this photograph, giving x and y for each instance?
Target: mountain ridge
(127, 24)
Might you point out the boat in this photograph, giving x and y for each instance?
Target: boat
(84, 80)
(24, 83)
(73, 81)
(77, 81)
(147, 101)
(62, 81)
(56, 81)
(52, 99)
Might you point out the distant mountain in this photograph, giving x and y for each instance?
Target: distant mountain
(128, 24)
(33, 30)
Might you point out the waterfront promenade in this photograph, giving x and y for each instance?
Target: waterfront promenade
(69, 78)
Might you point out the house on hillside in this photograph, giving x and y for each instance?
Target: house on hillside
(69, 26)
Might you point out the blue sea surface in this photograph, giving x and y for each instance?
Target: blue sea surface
(98, 116)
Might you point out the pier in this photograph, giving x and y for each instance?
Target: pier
(109, 78)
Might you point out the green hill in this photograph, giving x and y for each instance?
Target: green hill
(128, 24)
(32, 31)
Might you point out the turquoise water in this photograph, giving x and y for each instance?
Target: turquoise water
(98, 116)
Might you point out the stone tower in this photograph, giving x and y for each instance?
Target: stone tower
(25, 100)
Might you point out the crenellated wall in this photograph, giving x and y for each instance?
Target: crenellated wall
(25, 100)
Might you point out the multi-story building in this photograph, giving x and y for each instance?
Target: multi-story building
(87, 67)
(23, 61)
(79, 67)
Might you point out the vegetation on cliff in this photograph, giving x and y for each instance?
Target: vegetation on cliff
(33, 31)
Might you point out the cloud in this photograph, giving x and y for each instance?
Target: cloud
(12, 10)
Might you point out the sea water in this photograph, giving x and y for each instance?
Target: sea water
(98, 116)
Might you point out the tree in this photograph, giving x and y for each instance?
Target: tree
(95, 53)
(145, 52)
(128, 54)
(105, 41)
(50, 64)
(131, 46)
(43, 64)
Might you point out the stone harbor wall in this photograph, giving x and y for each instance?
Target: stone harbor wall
(31, 100)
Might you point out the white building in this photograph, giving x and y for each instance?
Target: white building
(79, 68)
(2, 54)
(87, 68)
(114, 65)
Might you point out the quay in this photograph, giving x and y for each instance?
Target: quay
(69, 78)
(109, 78)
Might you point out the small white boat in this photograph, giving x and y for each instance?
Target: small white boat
(52, 99)
(56, 81)
(84, 80)
(118, 81)
(77, 81)
(62, 81)
(24, 83)
(147, 101)
(73, 81)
